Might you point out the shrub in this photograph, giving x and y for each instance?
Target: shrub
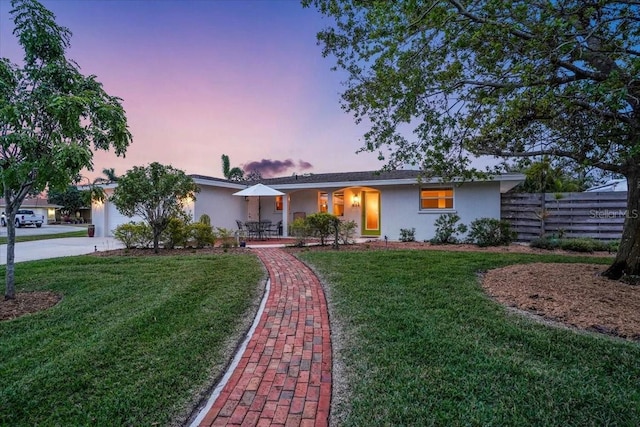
(134, 234)
(176, 233)
(226, 237)
(205, 219)
(548, 243)
(346, 231)
(491, 232)
(201, 234)
(447, 228)
(578, 245)
(322, 224)
(300, 229)
(407, 234)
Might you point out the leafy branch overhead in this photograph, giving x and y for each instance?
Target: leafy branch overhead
(506, 78)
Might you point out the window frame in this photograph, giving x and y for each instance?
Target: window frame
(437, 199)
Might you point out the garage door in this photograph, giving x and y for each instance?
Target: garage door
(115, 218)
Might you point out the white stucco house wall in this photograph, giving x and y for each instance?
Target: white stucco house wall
(381, 203)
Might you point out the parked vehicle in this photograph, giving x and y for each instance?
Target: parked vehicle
(27, 217)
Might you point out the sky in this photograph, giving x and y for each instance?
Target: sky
(202, 78)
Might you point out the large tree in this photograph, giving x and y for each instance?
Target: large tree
(155, 193)
(438, 80)
(51, 116)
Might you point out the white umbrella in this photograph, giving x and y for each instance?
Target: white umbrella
(259, 190)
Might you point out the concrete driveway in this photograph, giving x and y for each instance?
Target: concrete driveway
(55, 248)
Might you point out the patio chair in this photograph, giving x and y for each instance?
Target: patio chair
(253, 229)
(275, 229)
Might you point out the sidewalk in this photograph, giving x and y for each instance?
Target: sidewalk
(284, 375)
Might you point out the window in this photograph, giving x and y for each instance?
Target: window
(338, 204)
(436, 198)
(324, 202)
(279, 203)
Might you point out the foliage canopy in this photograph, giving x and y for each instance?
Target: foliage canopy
(155, 193)
(439, 80)
(51, 116)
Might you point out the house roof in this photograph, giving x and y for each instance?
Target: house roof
(37, 202)
(345, 179)
(612, 185)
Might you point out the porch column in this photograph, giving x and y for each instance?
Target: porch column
(285, 215)
(330, 202)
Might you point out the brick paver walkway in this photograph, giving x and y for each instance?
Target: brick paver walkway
(284, 376)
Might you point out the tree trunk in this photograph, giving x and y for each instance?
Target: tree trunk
(156, 238)
(627, 262)
(10, 288)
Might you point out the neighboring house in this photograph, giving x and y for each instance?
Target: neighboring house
(381, 203)
(612, 185)
(39, 206)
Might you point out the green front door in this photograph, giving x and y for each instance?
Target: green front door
(370, 213)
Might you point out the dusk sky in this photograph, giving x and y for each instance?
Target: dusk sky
(202, 78)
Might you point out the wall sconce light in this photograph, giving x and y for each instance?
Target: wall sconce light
(246, 198)
(356, 201)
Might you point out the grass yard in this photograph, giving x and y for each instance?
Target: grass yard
(133, 342)
(423, 345)
(79, 233)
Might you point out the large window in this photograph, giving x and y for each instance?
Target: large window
(279, 203)
(436, 198)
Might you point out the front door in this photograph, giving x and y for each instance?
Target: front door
(370, 213)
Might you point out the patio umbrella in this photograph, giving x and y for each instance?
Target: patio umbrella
(259, 190)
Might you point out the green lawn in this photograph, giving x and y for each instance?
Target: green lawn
(424, 346)
(133, 341)
(79, 233)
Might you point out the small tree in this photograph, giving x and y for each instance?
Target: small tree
(156, 193)
(51, 117)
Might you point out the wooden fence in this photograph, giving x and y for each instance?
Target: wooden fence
(596, 215)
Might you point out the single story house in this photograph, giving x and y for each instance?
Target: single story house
(381, 203)
(39, 206)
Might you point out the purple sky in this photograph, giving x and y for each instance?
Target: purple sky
(202, 78)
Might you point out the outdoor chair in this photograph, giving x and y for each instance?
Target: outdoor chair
(253, 229)
(275, 230)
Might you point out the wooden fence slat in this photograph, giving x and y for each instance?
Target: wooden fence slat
(596, 215)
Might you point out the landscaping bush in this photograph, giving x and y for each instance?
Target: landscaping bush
(491, 232)
(176, 233)
(205, 219)
(134, 234)
(322, 225)
(201, 235)
(300, 229)
(346, 231)
(407, 234)
(447, 228)
(226, 237)
(548, 243)
(578, 245)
